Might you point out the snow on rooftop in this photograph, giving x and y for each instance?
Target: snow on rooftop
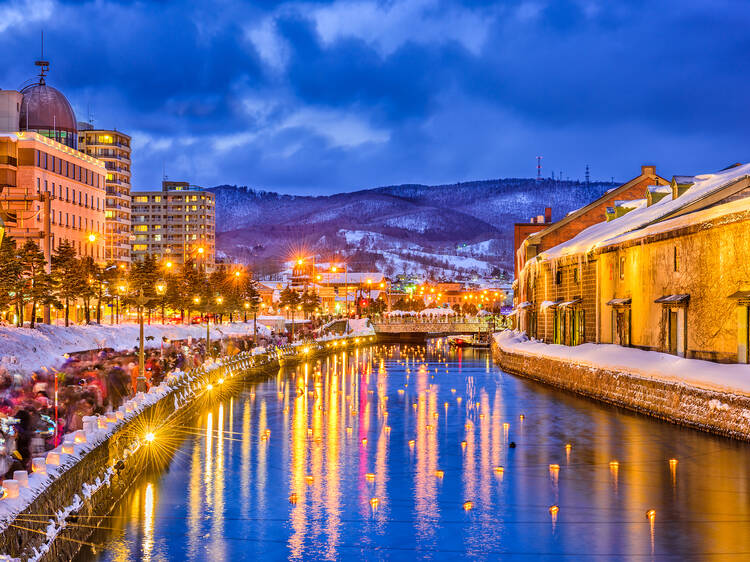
(603, 232)
(659, 188)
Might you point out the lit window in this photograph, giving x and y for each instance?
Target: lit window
(140, 228)
(140, 247)
(140, 199)
(105, 139)
(157, 237)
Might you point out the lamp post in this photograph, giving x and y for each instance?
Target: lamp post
(160, 289)
(121, 289)
(141, 301)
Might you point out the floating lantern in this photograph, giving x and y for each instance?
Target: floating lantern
(554, 467)
(364, 442)
(614, 465)
(374, 502)
(39, 465)
(387, 428)
(521, 417)
(428, 428)
(453, 390)
(445, 405)
(553, 510)
(292, 498)
(349, 430)
(309, 432)
(411, 442)
(467, 426)
(568, 446)
(468, 505)
(22, 477)
(499, 470)
(309, 479)
(435, 415)
(458, 399)
(672, 463)
(439, 474)
(506, 426)
(370, 476)
(463, 445)
(651, 514)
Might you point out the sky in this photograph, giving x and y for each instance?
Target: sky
(319, 97)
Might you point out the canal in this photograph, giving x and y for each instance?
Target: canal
(375, 455)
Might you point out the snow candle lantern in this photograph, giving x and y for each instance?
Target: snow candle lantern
(38, 465)
(101, 422)
(89, 424)
(22, 477)
(79, 436)
(111, 417)
(53, 458)
(11, 488)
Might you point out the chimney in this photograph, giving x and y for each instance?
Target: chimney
(548, 214)
(648, 170)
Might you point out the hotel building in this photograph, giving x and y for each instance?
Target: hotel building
(49, 191)
(113, 148)
(175, 223)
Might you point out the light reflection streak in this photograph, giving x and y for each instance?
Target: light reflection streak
(148, 522)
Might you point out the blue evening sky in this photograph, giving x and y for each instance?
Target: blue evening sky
(320, 97)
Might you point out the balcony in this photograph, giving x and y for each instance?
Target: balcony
(6, 160)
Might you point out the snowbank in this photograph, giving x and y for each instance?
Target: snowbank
(25, 350)
(361, 327)
(734, 378)
(437, 312)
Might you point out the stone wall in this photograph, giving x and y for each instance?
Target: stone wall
(717, 412)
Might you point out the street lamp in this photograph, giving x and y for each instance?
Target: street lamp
(161, 289)
(121, 289)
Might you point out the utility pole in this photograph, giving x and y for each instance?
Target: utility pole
(588, 176)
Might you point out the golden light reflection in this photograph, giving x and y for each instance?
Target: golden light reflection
(148, 522)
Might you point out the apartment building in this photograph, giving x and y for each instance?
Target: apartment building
(174, 224)
(113, 148)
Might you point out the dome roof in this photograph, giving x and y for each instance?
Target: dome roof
(46, 110)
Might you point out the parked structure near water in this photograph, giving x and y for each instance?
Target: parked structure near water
(666, 271)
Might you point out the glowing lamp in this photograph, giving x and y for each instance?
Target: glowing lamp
(553, 510)
(39, 465)
(463, 445)
(411, 442)
(79, 436)
(370, 477)
(468, 505)
(374, 502)
(10, 488)
(149, 437)
(439, 474)
(67, 448)
(499, 470)
(309, 479)
(293, 498)
(651, 514)
(53, 458)
(364, 442)
(22, 477)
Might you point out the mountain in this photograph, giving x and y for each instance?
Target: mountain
(455, 230)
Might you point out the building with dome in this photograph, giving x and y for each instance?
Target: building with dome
(49, 191)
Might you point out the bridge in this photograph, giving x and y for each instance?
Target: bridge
(416, 328)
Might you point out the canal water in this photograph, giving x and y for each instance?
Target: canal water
(374, 454)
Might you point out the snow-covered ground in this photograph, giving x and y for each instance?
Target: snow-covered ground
(733, 378)
(25, 350)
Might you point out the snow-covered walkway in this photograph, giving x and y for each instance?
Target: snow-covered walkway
(734, 378)
(25, 350)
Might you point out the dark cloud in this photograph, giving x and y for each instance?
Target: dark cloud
(324, 96)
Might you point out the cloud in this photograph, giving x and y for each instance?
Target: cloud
(272, 48)
(22, 13)
(339, 128)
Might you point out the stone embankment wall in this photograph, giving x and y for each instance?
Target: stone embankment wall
(717, 412)
(57, 522)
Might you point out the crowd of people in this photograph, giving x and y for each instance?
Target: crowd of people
(86, 384)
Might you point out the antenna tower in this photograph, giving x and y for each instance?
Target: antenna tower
(539, 168)
(588, 176)
(42, 64)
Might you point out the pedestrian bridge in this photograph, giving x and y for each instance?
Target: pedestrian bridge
(415, 328)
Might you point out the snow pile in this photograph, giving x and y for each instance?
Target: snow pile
(402, 313)
(26, 350)
(437, 312)
(733, 378)
(361, 327)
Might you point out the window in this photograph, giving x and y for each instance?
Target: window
(575, 275)
(157, 198)
(140, 228)
(558, 276)
(140, 247)
(157, 237)
(675, 260)
(140, 199)
(622, 267)
(105, 139)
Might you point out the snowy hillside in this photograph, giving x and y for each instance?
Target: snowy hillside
(451, 230)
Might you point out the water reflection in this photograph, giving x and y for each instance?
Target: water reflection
(390, 452)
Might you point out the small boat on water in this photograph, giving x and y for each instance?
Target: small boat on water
(467, 341)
